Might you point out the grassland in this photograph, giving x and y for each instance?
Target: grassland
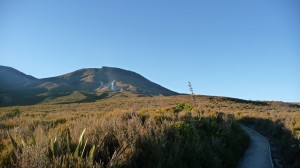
(144, 132)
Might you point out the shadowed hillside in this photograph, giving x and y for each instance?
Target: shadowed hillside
(11, 78)
(83, 85)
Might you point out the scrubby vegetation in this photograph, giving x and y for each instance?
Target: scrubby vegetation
(136, 132)
(166, 137)
(11, 114)
(283, 132)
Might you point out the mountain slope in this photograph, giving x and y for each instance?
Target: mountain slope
(106, 78)
(82, 85)
(11, 78)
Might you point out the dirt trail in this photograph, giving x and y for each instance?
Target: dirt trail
(258, 153)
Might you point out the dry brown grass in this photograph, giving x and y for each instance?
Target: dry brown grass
(129, 121)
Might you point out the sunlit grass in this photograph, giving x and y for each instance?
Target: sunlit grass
(119, 130)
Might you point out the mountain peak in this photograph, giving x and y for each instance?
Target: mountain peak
(90, 83)
(10, 77)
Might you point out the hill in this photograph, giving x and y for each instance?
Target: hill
(83, 85)
(12, 78)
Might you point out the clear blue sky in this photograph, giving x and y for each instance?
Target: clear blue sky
(247, 49)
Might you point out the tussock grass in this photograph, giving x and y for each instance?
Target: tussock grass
(134, 132)
(135, 140)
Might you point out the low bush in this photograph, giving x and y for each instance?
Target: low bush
(11, 114)
(183, 106)
(134, 140)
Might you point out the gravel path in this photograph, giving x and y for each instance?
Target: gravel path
(258, 153)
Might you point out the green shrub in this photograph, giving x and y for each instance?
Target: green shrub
(11, 114)
(6, 151)
(183, 106)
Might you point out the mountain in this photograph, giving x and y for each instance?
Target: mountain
(12, 78)
(89, 84)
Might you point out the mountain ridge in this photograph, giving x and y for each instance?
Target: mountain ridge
(18, 88)
(11, 77)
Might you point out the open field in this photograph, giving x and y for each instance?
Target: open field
(140, 131)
